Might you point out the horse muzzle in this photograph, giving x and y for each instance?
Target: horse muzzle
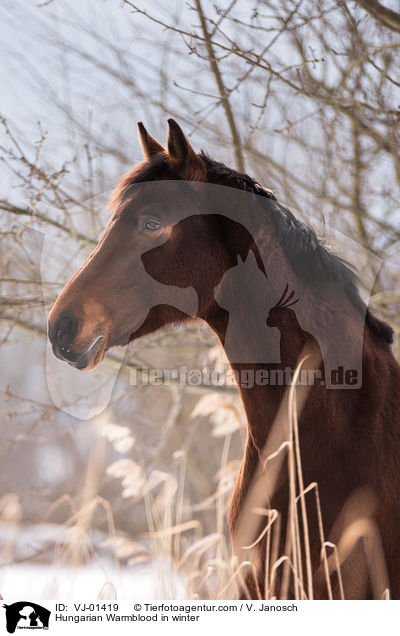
(63, 337)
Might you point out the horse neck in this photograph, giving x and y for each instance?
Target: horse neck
(266, 406)
(262, 401)
(246, 332)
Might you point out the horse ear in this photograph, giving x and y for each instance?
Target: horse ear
(181, 152)
(149, 144)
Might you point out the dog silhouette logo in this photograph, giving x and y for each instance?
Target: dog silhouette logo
(26, 615)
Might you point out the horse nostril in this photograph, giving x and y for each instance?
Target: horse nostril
(64, 331)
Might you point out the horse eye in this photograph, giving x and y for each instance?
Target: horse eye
(150, 225)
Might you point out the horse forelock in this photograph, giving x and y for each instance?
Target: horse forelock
(147, 170)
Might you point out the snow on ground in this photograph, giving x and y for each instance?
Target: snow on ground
(24, 575)
(46, 581)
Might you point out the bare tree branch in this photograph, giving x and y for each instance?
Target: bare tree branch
(221, 89)
(388, 18)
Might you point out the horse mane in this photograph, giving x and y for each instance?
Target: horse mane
(304, 250)
(301, 245)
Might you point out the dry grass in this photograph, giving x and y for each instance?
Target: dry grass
(283, 443)
(205, 563)
(190, 562)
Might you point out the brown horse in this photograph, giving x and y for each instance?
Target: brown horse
(349, 438)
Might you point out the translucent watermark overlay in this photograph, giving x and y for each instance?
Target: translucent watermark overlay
(271, 290)
(243, 378)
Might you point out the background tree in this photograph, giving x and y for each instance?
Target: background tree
(303, 96)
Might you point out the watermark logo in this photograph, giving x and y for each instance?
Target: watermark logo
(26, 615)
(279, 289)
(243, 378)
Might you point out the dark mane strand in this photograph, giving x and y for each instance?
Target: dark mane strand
(216, 171)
